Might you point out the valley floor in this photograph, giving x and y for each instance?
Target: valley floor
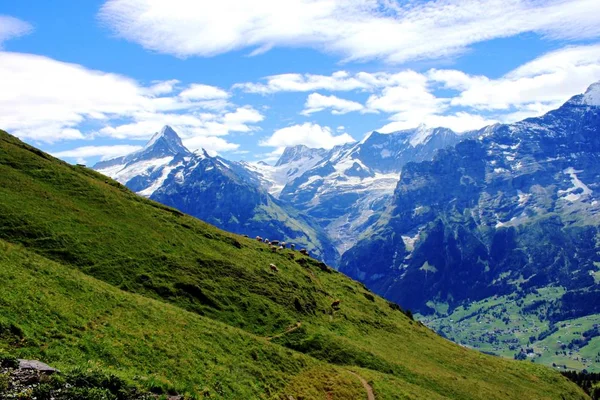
(518, 328)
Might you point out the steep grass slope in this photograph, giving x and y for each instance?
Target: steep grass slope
(92, 274)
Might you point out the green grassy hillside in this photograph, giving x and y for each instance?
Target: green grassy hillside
(92, 275)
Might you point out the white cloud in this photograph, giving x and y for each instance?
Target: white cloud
(238, 120)
(410, 94)
(530, 90)
(458, 122)
(548, 80)
(354, 29)
(308, 134)
(203, 92)
(197, 130)
(46, 100)
(338, 81)
(104, 152)
(317, 102)
(162, 87)
(211, 144)
(11, 28)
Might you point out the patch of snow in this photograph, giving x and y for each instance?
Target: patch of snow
(112, 170)
(592, 95)
(311, 179)
(158, 183)
(154, 138)
(124, 173)
(577, 184)
(420, 136)
(225, 164)
(200, 153)
(409, 242)
(385, 153)
(500, 224)
(572, 197)
(274, 178)
(418, 209)
(523, 197)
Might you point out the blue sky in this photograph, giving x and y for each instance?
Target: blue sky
(90, 80)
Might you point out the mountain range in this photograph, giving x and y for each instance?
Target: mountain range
(218, 191)
(131, 299)
(511, 216)
(503, 219)
(320, 199)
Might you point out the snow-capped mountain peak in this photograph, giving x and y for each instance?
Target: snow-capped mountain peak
(299, 152)
(592, 95)
(202, 153)
(420, 135)
(145, 170)
(167, 141)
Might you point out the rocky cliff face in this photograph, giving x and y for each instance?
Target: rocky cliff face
(516, 208)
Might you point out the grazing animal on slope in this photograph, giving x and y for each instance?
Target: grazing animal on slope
(273, 268)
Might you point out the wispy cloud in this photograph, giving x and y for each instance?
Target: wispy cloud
(317, 102)
(336, 82)
(11, 28)
(354, 29)
(203, 92)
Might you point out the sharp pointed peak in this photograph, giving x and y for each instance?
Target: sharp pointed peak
(167, 133)
(202, 153)
(165, 141)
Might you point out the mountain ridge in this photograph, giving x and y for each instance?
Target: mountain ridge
(215, 190)
(510, 212)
